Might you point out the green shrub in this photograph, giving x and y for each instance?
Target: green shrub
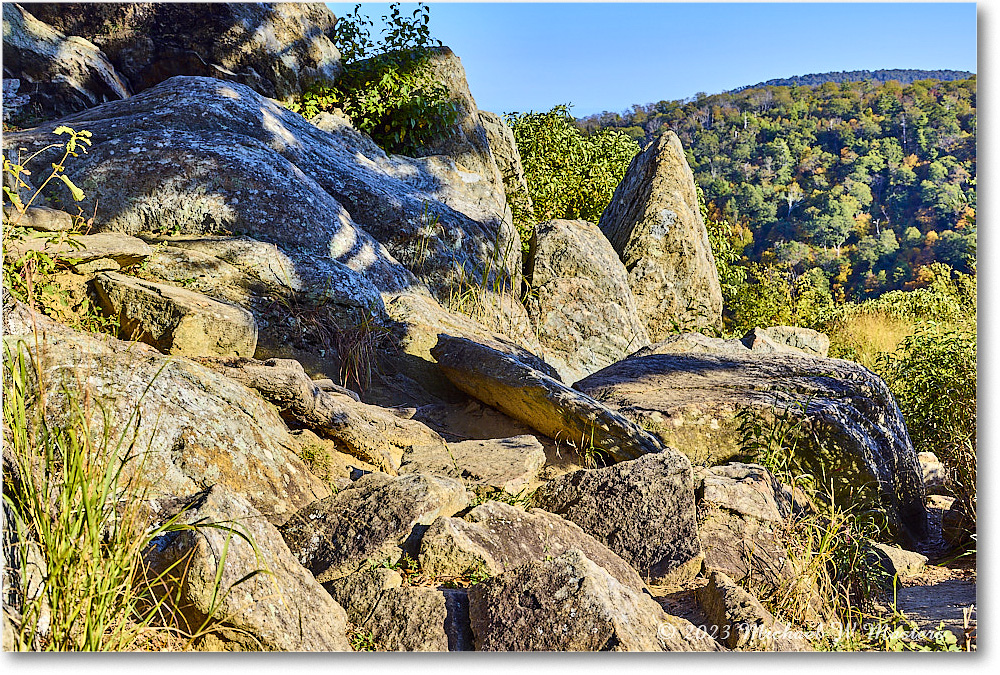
(570, 175)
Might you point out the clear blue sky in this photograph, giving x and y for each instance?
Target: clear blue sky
(607, 56)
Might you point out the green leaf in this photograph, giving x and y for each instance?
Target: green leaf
(74, 190)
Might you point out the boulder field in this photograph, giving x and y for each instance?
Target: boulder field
(290, 350)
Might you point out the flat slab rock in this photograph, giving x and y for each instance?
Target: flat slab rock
(643, 510)
(284, 610)
(509, 464)
(512, 386)
(176, 320)
(570, 603)
(496, 537)
(84, 248)
(852, 428)
(375, 520)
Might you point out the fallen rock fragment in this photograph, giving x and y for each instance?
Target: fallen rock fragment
(508, 464)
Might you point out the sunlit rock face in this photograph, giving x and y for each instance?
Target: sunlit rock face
(196, 155)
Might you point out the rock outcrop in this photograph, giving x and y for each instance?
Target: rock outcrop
(62, 74)
(580, 300)
(850, 426)
(233, 572)
(495, 537)
(642, 509)
(278, 49)
(376, 520)
(543, 403)
(195, 427)
(228, 160)
(654, 223)
(570, 603)
(508, 159)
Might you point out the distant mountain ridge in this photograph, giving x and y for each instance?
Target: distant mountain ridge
(877, 76)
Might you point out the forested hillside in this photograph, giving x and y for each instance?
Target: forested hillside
(903, 76)
(866, 183)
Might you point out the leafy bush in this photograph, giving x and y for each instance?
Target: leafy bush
(933, 376)
(388, 88)
(570, 175)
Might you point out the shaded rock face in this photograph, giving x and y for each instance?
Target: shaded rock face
(376, 519)
(642, 509)
(581, 301)
(278, 49)
(655, 225)
(741, 621)
(543, 403)
(283, 610)
(412, 619)
(176, 320)
(570, 603)
(61, 74)
(852, 428)
(196, 428)
(497, 537)
(199, 156)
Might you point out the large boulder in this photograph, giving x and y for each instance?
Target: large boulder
(195, 428)
(643, 510)
(495, 537)
(580, 300)
(65, 74)
(229, 161)
(654, 223)
(278, 49)
(570, 603)
(176, 320)
(849, 426)
(233, 570)
(509, 384)
(375, 520)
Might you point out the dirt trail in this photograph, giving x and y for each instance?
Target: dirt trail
(944, 588)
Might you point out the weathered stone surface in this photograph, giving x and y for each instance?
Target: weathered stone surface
(899, 561)
(654, 223)
(570, 603)
(371, 433)
(420, 319)
(195, 427)
(13, 103)
(497, 537)
(83, 248)
(376, 519)
(741, 622)
(278, 49)
(935, 473)
(853, 430)
(176, 320)
(808, 340)
(412, 619)
(642, 509)
(505, 463)
(467, 141)
(581, 301)
(545, 404)
(284, 609)
(508, 159)
(64, 73)
(40, 218)
(956, 526)
(225, 159)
